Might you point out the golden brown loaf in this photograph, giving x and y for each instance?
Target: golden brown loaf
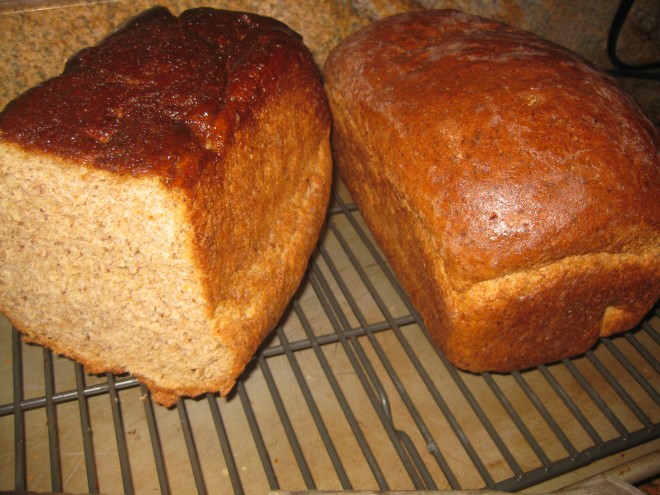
(160, 199)
(513, 188)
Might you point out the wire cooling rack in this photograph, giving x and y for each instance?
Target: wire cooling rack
(348, 393)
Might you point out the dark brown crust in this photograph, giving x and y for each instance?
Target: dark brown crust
(161, 95)
(479, 118)
(512, 186)
(166, 96)
(227, 111)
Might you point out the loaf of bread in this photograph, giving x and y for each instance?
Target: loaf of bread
(160, 200)
(512, 186)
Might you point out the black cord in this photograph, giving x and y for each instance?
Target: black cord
(615, 29)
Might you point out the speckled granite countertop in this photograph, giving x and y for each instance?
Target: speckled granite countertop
(37, 36)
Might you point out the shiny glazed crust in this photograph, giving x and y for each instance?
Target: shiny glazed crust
(160, 200)
(512, 186)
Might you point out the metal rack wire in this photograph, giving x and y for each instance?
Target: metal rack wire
(348, 393)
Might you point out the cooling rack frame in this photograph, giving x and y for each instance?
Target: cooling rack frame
(403, 405)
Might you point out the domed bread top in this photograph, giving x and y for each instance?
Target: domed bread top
(161, 198)
(515, 150)
(512, 186)
(163, 95)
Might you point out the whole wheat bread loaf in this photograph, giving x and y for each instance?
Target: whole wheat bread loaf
(160, 199)
(512, 186)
